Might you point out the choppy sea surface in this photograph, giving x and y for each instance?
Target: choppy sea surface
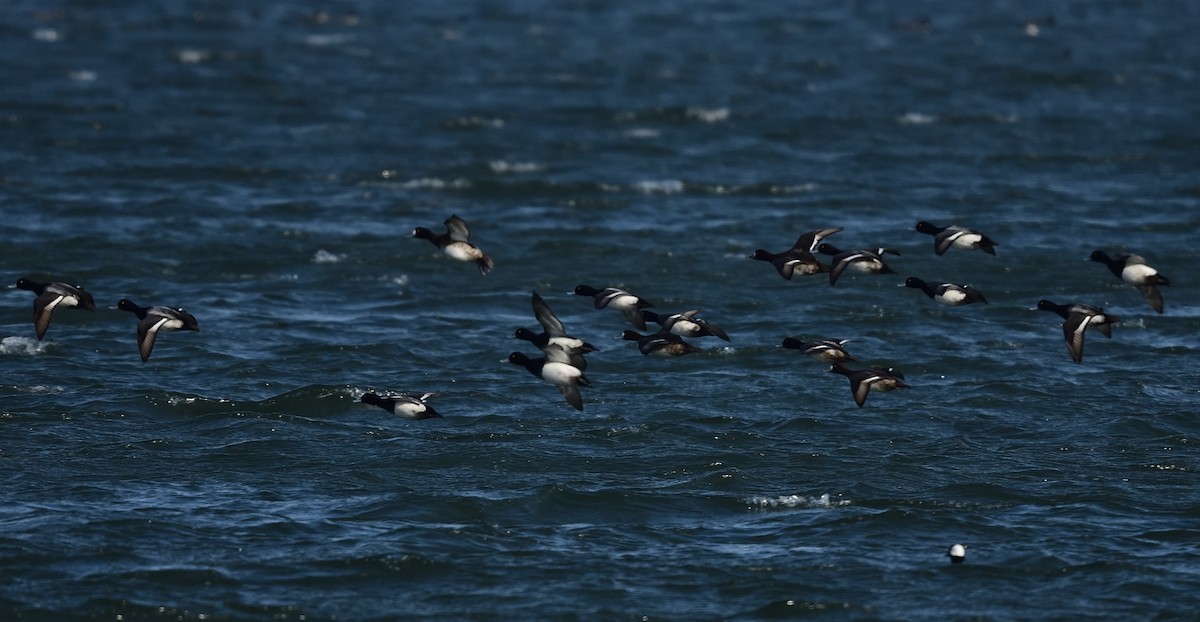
(263, 164)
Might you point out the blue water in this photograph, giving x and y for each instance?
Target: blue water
(262, 166)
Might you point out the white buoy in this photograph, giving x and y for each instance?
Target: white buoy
(957, 553)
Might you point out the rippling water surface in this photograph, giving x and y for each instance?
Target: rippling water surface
(263, 166)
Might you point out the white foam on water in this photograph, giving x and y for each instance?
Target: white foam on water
(824, 501)
(642, 132)
(916, 118)
(662, 186)
(434, 183)
(324, 256)
(708, 115)
(21, 345)
(504, 166)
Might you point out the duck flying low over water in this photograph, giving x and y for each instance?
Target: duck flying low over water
(553, 331)
(1078, 318)
(151, 320)
(1133, 270)
(407, 406)
(949, 294)
(862, 381)
(955, 236)
(662, 344)
(685, 324)
(456, 243)
(555, 368)
(828, 350)
(612, 298)
(798, 259)
(51, 296)
(867, 261)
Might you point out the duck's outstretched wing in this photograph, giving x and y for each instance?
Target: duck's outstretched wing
(1152, 296)
(550, 322)
(147, 333)
(43, 311)
(457, 229)
(572, 395)
(1073, 330)
(811, 240)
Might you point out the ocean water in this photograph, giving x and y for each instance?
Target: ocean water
(263, 164)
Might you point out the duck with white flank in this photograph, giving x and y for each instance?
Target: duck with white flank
(403, 405)
(958, 237)
(556, 369)
(685, 324)
(1133, 270)
(153, 319)
(799, 258)
(828, 350)
(1080, 317)
(553, 331)
(612, 298)
(863, 380)
(868, 261)
(949, 294)
(661, 343)
(50, 296)
(456, 243)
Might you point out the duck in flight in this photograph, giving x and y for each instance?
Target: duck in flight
(456, 243)
(1133, 269)
(1078, 318)
(151, 320)
(798, 259)
(51, 296)
(954, 236)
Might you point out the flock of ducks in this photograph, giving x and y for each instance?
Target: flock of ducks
(562, 361)
(151, 320)
(1078, 317)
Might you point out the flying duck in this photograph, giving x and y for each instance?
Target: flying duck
(828, 350)
(1080, 317)
(661, 343)
(406, 406)
(956, 236)
(685, 324)
(52, 295)
(863, 380)
(610, 297)
(556, 369)
(1133, 270)
(553, 330)
(949, 294)
(153, 319)
(799, 258)
(867, 261)
(456, 242)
